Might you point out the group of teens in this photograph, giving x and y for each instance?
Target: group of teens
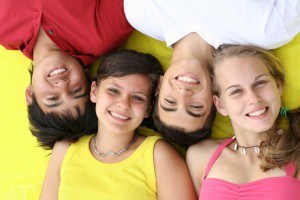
(97, 150)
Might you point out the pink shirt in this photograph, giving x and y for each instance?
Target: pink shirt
(84, 29)
(273, 188)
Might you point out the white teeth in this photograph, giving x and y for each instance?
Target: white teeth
(58, 71)
(187, 79)
(118, 116)
(257, 113)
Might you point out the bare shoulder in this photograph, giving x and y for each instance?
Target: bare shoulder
(61, 147)
(164, 150)
(204, 149)
(52, 177)
(171, 169)
(198, 157)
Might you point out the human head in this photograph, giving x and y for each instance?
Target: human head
(49, 128)
(178, 135)
(112, 81)
(58, 83)
(49, 124)
(247, 85)
(184, 102)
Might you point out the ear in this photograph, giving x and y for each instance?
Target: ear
(279, 86)
(158, 86)
(219, 105)
(94, 90)
(148, 111)
(28, 94)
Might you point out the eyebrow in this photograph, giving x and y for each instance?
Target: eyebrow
(61, 102)
(233, 86)
(187, 111)
(81, 95)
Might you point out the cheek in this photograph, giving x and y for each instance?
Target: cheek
(102, 102)
(273, 95)
(233, 107)
(141, 110)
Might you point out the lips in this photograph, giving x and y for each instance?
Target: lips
(118, 116)
(187, 79)
(258, 113)
(57, 71)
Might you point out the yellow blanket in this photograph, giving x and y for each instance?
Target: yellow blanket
(23, 163)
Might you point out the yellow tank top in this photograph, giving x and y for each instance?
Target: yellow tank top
(84, 177)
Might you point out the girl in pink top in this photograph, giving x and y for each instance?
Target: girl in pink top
(261, 161)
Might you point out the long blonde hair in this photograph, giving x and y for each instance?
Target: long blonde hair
(278, 150)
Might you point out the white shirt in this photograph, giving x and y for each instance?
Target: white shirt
(265, 23)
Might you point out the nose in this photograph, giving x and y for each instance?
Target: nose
(184, 90)
(124, 103)
(254, 97)
(61, 83)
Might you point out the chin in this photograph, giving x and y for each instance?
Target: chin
(260, 129)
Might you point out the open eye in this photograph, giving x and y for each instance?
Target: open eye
(76, 90)
(138, 98)
(113, 91)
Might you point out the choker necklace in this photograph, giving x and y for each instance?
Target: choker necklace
(111, 152)
(244, 149)
(236, 146)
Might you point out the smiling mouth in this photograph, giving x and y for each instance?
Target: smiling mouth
(187, 79)
(258, 112)
(57, 71)
(116, 115)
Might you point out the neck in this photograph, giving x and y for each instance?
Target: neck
(251, 138)
(192, 47)
(43, 47)
(112, 141)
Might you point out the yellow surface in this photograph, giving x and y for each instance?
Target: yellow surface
(23, 164)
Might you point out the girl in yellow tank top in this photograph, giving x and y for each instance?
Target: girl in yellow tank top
(117, 163)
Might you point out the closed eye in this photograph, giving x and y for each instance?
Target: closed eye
(196, 106)
(170, 101)
(260, 83)
(53, 98)
(235, 91)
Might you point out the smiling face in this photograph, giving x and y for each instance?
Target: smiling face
(121, 103)
(58, 83)
(248, 93)
(185, 96)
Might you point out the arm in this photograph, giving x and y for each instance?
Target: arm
(173, 179)
(197, 158)
(52, 177)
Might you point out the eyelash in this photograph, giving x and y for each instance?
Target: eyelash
(52, 98)
(235, 91)
(114, 91)
(76, 90)
(138, 98)
(170, 101)
(196, 106)
(258, 83)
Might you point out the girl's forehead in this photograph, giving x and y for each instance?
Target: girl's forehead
(132, 81)
(240, 70)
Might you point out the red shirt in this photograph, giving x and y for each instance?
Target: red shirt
(85, 29)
